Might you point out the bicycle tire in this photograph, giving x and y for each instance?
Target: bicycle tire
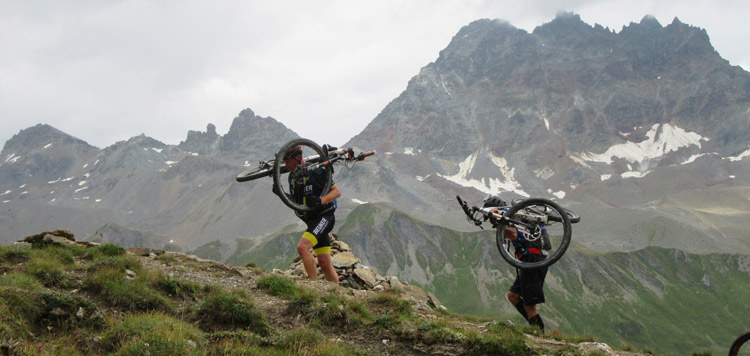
(279, 168)
(559, 232)
(573, 217)
(738, 344)
(255, 173)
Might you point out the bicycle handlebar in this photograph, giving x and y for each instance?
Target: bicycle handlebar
(469, 212)
(343, 153)
(362, 156)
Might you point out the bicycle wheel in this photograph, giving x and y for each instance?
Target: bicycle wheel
(739, 347)
(263, 169)
(309, 148)
(541, 221)
(573, 217)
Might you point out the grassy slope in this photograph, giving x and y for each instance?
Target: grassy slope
(673, 302)
(667, 300)
(90, 301)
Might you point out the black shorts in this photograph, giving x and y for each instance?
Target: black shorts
(530, 282)
(317, 232)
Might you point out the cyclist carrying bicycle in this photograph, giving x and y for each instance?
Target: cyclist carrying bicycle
(526, 291)
(306, 190)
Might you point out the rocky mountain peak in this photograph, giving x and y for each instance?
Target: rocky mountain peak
(37, 137)
(250, 132)
(651, 21)
(144, 141)
(565, 26)
(202, 142)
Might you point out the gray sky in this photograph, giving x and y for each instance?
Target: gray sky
(106, 70)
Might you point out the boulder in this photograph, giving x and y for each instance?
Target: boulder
(57, 240)
(66, 234)
(355, 275)
(344, 260)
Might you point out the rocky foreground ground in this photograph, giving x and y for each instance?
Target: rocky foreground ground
(429, 329)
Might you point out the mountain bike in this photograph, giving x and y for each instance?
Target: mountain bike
(534, 218)
(315, 157)
(741, 345)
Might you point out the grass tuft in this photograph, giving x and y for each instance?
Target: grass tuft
(110, 250)
(278, 285)
(231, 309)
(154, 334)
(120, 290)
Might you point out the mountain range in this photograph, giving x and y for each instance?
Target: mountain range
(643, 132)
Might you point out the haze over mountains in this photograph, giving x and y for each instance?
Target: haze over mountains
(644, 132)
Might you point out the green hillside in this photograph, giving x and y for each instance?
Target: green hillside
(670, 301)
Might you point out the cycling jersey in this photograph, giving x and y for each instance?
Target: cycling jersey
(524, 246)
(310, 185)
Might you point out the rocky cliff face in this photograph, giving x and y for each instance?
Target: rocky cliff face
(182, 195)
(642, 119)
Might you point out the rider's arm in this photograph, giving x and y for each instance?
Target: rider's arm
(332, 195)
(510, 233)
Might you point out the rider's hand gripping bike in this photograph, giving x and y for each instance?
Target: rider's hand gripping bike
(535, 218)
(315, 157)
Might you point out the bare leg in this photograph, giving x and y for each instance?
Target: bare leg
(325, 264)
(308, 260)
(531, 311)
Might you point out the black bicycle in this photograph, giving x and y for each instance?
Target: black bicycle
(535, 218)
(315, 157)
(737, 348)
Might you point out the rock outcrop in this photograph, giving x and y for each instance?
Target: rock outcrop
(56, 237)
(353, 274)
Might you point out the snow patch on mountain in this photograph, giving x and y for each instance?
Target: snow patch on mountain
(469, 175)
(410, 151)
(740, 156)
(12, 158)
(661, 139)
(559, 194)
(692, 158)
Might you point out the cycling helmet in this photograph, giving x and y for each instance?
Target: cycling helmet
(493, 201)
(295, 150)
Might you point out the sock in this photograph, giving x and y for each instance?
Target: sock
(521, 309)
(537, 320)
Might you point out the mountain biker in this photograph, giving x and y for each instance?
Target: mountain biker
(526, 291)
(306, 190)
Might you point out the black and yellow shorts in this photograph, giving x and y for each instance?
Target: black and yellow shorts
(317, 232)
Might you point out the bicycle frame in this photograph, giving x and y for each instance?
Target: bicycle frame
(314, 162)
(534, 219)
(531, 220)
